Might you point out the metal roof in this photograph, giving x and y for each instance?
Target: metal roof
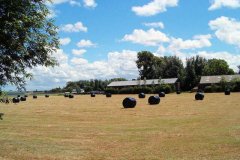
(217, 79)
(142, 82)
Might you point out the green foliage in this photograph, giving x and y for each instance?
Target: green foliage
(235, 83)
(163, 88)
(217, 67)
(28, 38)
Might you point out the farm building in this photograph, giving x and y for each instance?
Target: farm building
(149, 82)
(208, 80)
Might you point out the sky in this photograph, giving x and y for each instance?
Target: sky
(100, 39)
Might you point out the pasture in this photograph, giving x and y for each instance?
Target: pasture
(87, 128)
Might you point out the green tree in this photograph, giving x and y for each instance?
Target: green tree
(173, 67)
(145, 64)
(28, 39)
(217, 67)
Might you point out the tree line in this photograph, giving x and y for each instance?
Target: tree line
(154, 67)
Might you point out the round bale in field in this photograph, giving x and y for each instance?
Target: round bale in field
(161, 94)
(178, 92)
(19, 96)
(227, 92)
(34, 96)
(25, 95)
(199, 96)
(71, 96)
(108, 95)
(15, 100)
(23, 98)
(129, 102)
(93, 95)
(46, 95)
(141, 95)
(66, 95)
(152, 100)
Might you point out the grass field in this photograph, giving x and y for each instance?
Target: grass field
(99, 128)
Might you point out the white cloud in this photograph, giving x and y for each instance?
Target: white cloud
(85, 43)
(154, 7)
(150, 37)
(227, 30)
(79, 52)
(90, 3)
(197, 42)
(217, 4)
(64, 41)
(118, 64)
(77, 27)
(155, 25)
(74, 3)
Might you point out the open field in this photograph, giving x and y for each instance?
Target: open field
(99, 128)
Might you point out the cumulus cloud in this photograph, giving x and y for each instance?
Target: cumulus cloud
(150, 37)
(217, 4)
(77, 27)
(226, 30)
(90, 3)
(85, 43)
(64, 41)
(78, 52)
(154, 25)
(154, 7)
(198, 41)
(118, 64)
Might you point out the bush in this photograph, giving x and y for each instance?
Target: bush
(111, 90)
(163, 88)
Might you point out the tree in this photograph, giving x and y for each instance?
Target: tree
(145, 64)
(217, 67)
(173, 67)
(238, 69)
(28, 39)
(191, 77)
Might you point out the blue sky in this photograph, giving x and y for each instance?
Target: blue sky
(100, 38)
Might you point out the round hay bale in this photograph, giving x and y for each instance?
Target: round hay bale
(227, 92)
(161, 94)
(93, 95)
(199, 96)
(23, 98)
(25, 95)
(46, 95)
(19, 96)
(153, 100)
(141, 95)
(71, 96)
(129, 102)
(34, 96)
(66, 95)
(108, 95)
(15, 100)
(178, 92)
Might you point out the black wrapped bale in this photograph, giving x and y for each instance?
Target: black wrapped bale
(178, 92)
(34, 96)
(25, 95)
(66, 95)
(46, 95)
(93, 95)
(161, 94)
(141, 95)
(227, 92)
(199, 96)
(153, 100)
(19, 96)
(108, 95)
(71, 96)
(23, 98)
(129, 102)
(15, 100)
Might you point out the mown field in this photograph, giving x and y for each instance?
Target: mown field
(85, 128)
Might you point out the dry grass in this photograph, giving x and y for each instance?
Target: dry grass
(99, 128)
